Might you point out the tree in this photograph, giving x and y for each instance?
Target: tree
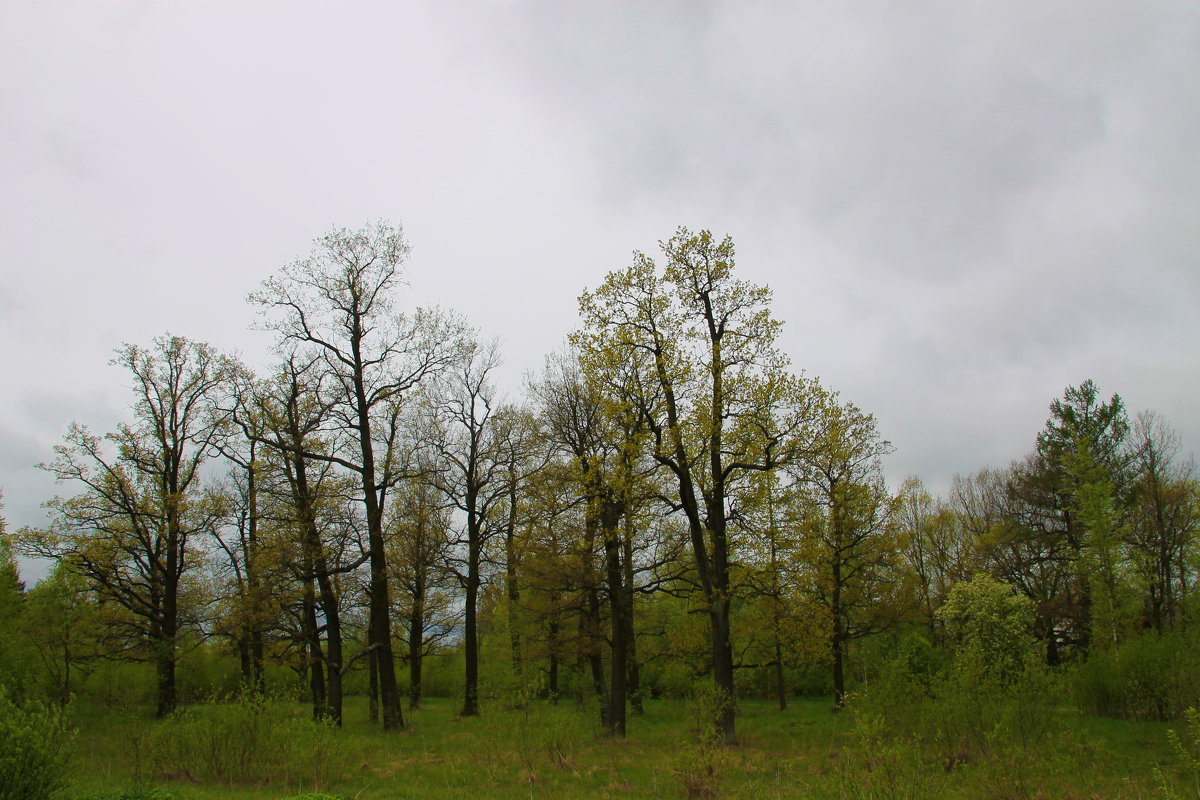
(295, 411)
(62, 620)
(1077, 469)
(1164, 518)
(603, 442)
(709, 386)
(935, 547)
(132, 529)
(465, 437)
(12, 596)
(337, 305)
(845, 510)
(991, 623)
(421, 542)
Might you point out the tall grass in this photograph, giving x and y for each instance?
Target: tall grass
(247, 739)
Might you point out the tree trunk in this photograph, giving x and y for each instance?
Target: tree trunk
(837, 637)
(780, 687)
(416, 644)
(316, 659)
(372, 688)
(254, 589)
(591, 635)
(510, 577)
(471, 636)
(619, 635)
(723, 669)
(552, 669)
(635, 680)
(168, 627)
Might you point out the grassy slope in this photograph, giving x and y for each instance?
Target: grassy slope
(547, 751)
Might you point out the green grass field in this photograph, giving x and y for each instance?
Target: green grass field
(557, 751)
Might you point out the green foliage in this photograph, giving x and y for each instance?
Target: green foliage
(1187, 756)
(125, 794)
(34, 753)
(992, 701)
(1147, 677)
(702, 760)
(248, 739)
(992, 626)
(878, 766)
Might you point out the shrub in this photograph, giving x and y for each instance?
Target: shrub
(248, 739)
(877, 765)
(993, 700)
(1148, 677)
(33, 750)
(700, 762)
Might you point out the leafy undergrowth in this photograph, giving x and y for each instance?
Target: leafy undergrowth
(557, 751)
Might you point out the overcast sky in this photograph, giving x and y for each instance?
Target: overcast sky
(962, 206)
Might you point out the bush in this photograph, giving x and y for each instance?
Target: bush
(993, 699)
(1147, 677)
(33, 750)
(876, 765)
(248, 739)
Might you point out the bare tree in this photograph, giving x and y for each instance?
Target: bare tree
(464, 435)
(338, 305)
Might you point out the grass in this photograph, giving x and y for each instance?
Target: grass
(557, 751)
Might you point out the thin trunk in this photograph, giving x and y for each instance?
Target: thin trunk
(416, 645)
(510, 576)
(633, 671)
(318, 569)
(256, 654)
(372, 688)
(552, 669)
(780, 687)
(837, 637)
(380, 621)
(591, 635)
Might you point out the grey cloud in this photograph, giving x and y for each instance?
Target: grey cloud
(962, 207)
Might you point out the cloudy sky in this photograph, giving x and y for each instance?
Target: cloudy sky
(962, 206)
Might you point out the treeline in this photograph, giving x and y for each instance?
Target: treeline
(666, 500)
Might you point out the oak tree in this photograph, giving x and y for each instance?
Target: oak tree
(338, 305)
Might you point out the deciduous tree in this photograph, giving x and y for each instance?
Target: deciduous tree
(132, 530)
(338, 305)
(710, 385)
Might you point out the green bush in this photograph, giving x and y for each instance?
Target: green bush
(876, 765)
(34, 756)
(1146, 677)
(248, 739)
(991, 700)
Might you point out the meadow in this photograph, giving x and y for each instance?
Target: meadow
(262, 750)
